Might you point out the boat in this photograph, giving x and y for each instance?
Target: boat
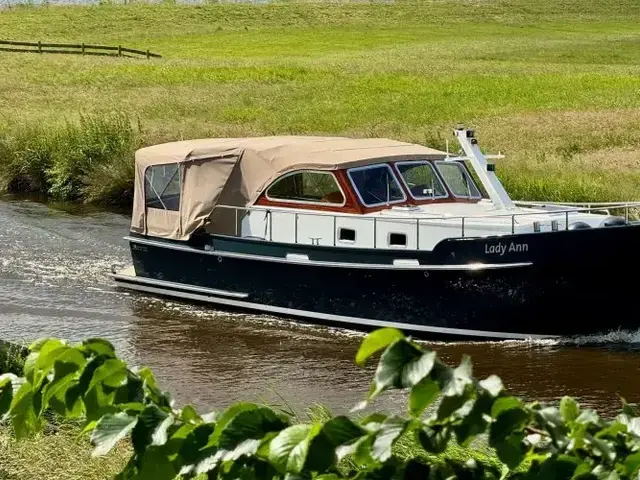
(363, 233)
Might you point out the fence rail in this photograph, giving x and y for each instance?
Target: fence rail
(73, 48)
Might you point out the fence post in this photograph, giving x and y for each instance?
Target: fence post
(148, 56)
(119, 50)
(39, 46)
(83, 48)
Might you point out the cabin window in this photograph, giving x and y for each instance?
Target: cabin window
(307, 187)
(347, 235)
(376, 185)
(397, 239)
(458, 179)
(162, 187)
(421, 180)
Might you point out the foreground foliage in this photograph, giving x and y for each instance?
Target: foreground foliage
(446, 405)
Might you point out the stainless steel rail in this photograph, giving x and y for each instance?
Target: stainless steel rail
(551, 210)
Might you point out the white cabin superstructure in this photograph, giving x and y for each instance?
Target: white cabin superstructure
(422, 226)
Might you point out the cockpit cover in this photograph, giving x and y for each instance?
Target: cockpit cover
(235, 172)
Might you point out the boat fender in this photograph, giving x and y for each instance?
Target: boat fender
(613, 221)
(579, 226)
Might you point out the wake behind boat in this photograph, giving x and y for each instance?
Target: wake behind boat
(375, 232)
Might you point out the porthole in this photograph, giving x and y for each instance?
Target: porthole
(347, 235)
(397, 239)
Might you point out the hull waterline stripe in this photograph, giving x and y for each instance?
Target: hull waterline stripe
(181, 286)
(130, 282)
(316, 263)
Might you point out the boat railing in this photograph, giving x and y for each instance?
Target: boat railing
(552, 209)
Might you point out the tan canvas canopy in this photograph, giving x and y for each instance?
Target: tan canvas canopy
(178, 184)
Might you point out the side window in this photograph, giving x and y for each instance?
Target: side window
(307, 187)
(458, 179)
(421, 180)
(376, 185)
(162, 187)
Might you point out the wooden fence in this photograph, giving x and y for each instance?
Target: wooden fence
(79, 49)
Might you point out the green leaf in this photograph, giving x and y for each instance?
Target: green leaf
(583, 472)
(569, 409)
(288, 450)
(417, 370)
(150, 386)
(508, 421)
(44, 360)
(6, 392)
(632, 464)
(391, 368)
(189, 414)
(109, 430)
(87, 374)
(612, 431)
(453, 382)
(156, 465)
(449, 405)
(602, 447)
(151, 428)
(422, 395)
(360, 449)
(73, 400)
(588, 416)
(559, 467)
(23, 414)
(227, 416)
(492, 384)
(99, 346)
(249, 424)
(376, 340)
(503, 404)
(627, 408)
(37, 345)
(510, 449)
(112, 373)
(190, 450)
(474, 421)
(434, 439)
(148, 377)
(66, 373)
(341, 430)
(389, 432)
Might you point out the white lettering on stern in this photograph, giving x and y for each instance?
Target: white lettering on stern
(501, 248)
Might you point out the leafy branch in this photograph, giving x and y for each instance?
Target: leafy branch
(250, 441)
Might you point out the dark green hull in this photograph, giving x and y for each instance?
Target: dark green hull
(538, 285)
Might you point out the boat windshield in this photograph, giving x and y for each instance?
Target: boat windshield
(458, 180)
(421, 180)
(376, 185)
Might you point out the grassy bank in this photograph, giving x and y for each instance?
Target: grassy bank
(554, 86)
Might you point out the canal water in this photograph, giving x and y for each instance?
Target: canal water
(54, 281)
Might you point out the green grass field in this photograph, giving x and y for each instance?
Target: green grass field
(554, 85)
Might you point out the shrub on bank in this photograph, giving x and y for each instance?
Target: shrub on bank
(89, 160)
(446, 407)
